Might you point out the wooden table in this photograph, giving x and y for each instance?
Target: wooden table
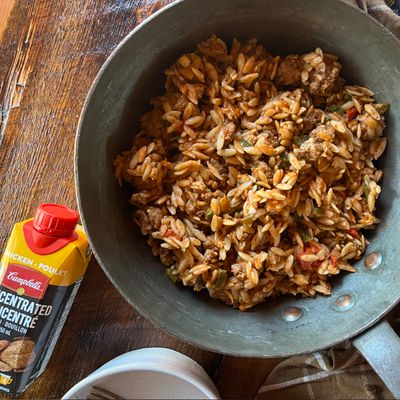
(50, 52)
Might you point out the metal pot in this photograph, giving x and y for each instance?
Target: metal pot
(279, 327)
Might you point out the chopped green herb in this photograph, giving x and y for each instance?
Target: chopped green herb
(220, 282)
(247, 220)
(245, 143)
(347, 96)
(285, 159)
(171, 275)
(165, 122)
(305, 235)
(317, 212)
(297, 218)
(319, 123)
(381, 108)
(334, 108)
(209, 215)
(175, 138)
(299, 140)
(366, 190)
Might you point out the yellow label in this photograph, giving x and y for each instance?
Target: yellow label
(63, 267)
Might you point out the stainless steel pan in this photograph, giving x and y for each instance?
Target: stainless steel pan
(279, 327)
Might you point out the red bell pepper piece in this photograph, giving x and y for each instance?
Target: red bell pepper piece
(353, 232)
(303, 264)
(309, 249)
(351, 113)
(317, 264)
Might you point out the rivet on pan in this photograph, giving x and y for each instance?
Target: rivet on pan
(344, 301)
(374, 260)
(292, 314)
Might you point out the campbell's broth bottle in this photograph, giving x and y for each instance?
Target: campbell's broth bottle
(41, 271)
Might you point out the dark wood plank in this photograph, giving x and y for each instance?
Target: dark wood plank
(240, 378)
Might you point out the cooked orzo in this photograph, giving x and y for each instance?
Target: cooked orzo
(253, 175)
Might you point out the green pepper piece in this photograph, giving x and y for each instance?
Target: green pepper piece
(222, 276)
(305, 235)
(347, 96)
(171, 275)
(381, 108)
(297, 218)
(317, 212)
(366, 190)
(245, 143)
(209, 215)
(247, 220)
(335, 108)
(198, 285)
(165, 122)
(285, 159)
(299, 140)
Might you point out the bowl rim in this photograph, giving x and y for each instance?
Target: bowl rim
(143, 312)
(151, 363)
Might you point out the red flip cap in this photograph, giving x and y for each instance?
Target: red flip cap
(52, 228)
(55, 220)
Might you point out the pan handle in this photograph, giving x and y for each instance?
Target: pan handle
(380, 346)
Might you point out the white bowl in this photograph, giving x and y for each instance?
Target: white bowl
(151, 373)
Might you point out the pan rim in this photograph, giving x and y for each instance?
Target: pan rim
(142, 311)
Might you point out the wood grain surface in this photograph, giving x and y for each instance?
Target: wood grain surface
(5, 8)
(49, 55)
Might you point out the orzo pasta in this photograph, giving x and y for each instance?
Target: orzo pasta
(253, 174)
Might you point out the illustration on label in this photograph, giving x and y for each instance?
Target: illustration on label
(17, 355)
(5, 379)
